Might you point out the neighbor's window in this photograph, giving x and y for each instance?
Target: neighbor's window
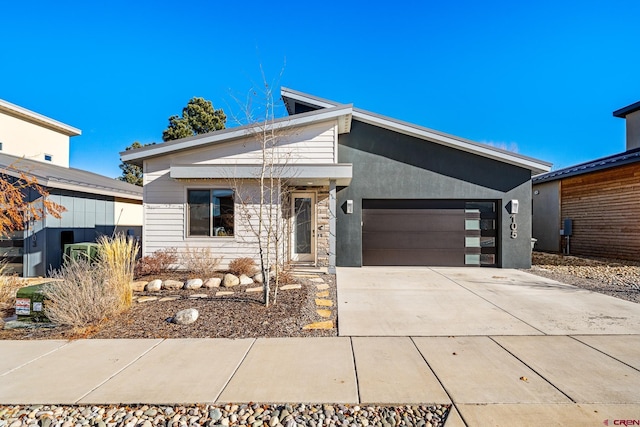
(210, 212)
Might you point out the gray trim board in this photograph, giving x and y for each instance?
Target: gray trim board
(300, 174)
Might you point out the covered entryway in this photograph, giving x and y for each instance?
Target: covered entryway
(429, 232)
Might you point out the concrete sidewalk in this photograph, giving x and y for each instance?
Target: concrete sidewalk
(510, 380)
(504, 347)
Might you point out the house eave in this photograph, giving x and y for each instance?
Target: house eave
(39, 119)
(341, 113)
(294, 174)
(536, 166)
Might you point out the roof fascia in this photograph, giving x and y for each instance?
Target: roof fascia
(536, 166)
(23, 113)
(136, 156)
(625, 111)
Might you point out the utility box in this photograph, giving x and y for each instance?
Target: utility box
(30, 302)
(76, 251)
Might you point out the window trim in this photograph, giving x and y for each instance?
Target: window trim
(187, 221)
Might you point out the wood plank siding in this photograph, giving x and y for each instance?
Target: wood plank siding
(605, 208)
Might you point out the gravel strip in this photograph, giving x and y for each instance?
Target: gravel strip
(252, 414)
(616, 278)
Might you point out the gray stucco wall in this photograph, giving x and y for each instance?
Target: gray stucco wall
(388, 165)
(546, 216)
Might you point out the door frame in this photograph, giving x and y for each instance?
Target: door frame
(304, 258)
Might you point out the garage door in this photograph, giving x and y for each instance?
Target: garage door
(429, 232)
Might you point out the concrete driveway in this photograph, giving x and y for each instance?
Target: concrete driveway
(440, 301)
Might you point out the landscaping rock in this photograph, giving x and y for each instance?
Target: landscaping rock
(213, 282)
(146, 299)
(172, 284)
(154, 285)
(193, 284)
(258, 278)
(256, 289)
(245, 280)
(186, 317)
(230, 280)
(138, 286)
(289, 287)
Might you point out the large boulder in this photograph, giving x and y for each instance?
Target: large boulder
(245, 280)
(172, 284)
(138, 286)
(193, 284)
(186, 317)
(258, 278)
(230, 280)
(154, 285)
(213, 282)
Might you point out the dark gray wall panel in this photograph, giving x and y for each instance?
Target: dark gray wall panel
(396, 166)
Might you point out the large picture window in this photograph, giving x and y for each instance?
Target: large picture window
(210, 212)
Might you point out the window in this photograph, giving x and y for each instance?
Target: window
(0, 146)
(48, 157)
(210, 212)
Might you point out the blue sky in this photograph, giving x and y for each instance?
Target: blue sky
(538, 77)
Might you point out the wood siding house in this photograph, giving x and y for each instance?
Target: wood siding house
(600, 200)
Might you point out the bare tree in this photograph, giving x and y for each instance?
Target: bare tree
(266, 213)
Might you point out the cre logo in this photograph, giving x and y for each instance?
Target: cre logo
(622, 423)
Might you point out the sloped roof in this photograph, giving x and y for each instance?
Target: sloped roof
(292, 97)
(625, 111)
(340, 112)
(54, 176)
(628, 157)
(39, 119)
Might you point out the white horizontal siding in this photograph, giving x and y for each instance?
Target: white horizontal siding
(165, 216)
(314, 144)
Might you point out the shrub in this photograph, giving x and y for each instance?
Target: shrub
(285, 276)
(9, 285)
(200, 262)
(81, 296)
(118, 256)
(243, 266)
(160, 261)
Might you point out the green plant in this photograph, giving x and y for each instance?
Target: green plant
(81, 296)
(243, 266)
(200, 262)
(118, 256)
(160, 261)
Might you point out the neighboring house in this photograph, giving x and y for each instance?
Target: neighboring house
(365, 190)
(600, 199)
(95, 204)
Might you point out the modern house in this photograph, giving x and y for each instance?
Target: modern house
(95, 204)
(362, 189)
(592, 209)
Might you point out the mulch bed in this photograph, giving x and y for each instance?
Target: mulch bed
(241, 315)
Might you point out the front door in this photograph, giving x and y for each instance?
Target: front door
(303, 230)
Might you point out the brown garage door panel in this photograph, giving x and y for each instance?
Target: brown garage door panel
(391, 220)
(435, 257)
(416, 240)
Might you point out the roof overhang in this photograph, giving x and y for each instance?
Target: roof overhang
(291, 97)
(341, 113)
(39, 119)
(625, 111)
(294, 174)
